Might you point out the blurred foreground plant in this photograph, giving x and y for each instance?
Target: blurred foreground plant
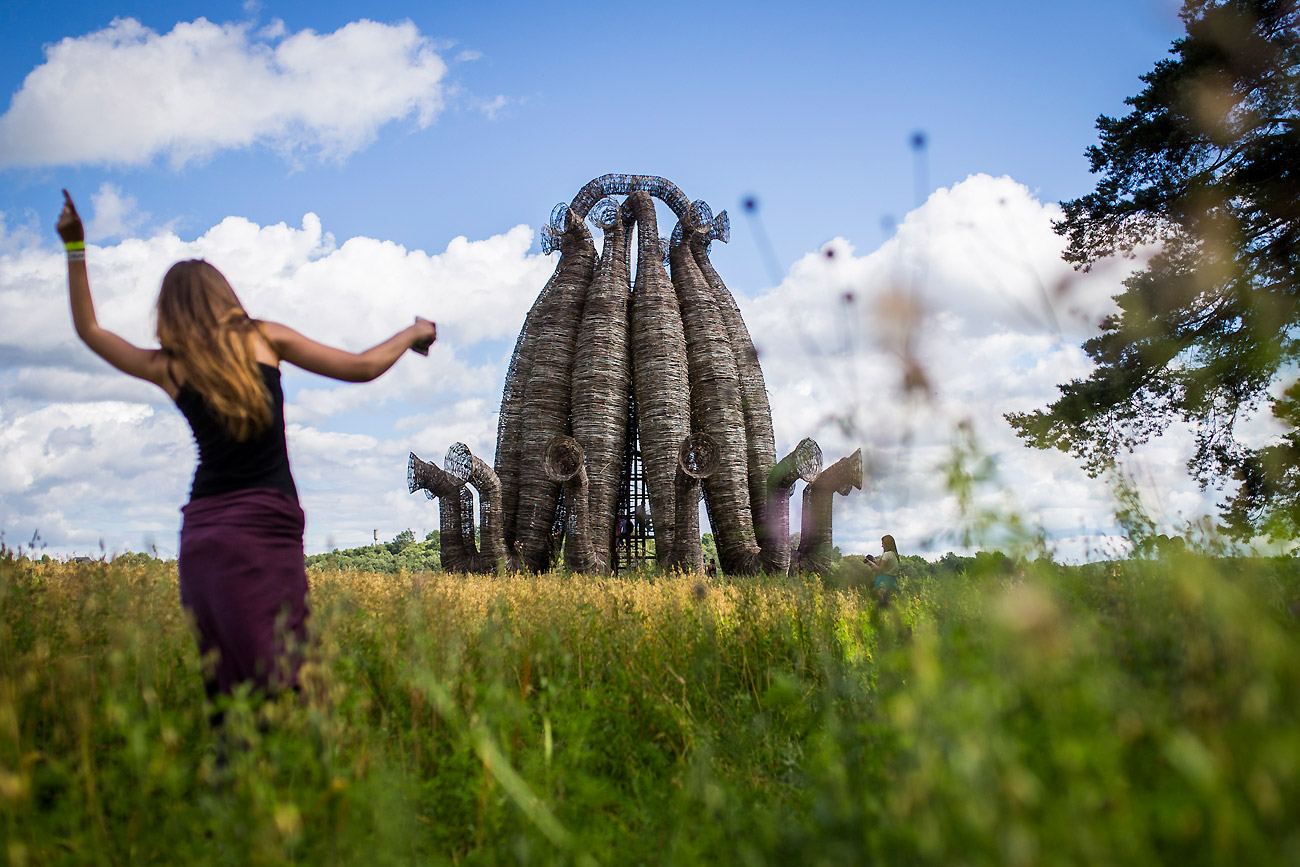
(1001, 712)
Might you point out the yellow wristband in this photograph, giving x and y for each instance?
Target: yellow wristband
(74, 245)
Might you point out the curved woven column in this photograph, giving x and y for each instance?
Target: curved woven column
(566, 465)
(458, 467)
(462, 463)
(545, 411)
(815, 539)
(805, 462)
(430, 478)
(602, 379)
(510, 429)
(760, 439)
(716, 410)
(696, 459)
(660, 383)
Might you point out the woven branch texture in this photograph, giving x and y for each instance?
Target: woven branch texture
(805, 462)
(602, 378)
(492, 554)
(545, 400)
(435, 482)
(566, 464)
(716, 410)
(815, 538)
(674, 348)
(697, 459)
(760, 440)
(660, 382)
(510, 430)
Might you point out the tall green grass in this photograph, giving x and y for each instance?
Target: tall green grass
(1127, 713)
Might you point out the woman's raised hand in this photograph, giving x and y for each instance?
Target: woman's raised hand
(426, 333)
(69, 225)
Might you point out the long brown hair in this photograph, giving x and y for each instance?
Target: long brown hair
(202, 324)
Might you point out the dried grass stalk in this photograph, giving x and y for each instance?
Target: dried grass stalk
(660, 382)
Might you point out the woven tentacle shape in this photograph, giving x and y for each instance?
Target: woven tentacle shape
(602, 380)
(760, 439)
(546, 402)
(430, 478)
(660, 381)
(815, 540)
(716, 410)
(805, 462)
(492, 554)
(510, 428)
(456, 463)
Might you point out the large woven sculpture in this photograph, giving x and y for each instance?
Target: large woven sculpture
(626, 395)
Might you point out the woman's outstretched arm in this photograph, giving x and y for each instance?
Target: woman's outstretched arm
(341, 364)
(146, 364)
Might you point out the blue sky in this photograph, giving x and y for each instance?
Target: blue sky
(350, 166)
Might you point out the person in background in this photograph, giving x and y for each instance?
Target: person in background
(886, 567)
(242, 572)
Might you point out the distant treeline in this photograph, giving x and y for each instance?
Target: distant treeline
(405, 554)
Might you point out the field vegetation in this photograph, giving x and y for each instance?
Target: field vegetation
(1001, 712)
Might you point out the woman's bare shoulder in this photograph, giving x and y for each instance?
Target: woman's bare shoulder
(266, 350)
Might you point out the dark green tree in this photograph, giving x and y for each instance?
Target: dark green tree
(710, 546)
(401, 541)
(1205, 171)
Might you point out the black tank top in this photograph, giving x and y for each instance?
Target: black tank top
(225, 464)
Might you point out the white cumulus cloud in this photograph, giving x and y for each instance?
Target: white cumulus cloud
(128, 94)
(88, 454)
(971, 298)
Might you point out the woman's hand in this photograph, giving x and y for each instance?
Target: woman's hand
(424, 334)
(69, 225)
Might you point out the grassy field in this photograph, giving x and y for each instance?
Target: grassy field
(1142, 712)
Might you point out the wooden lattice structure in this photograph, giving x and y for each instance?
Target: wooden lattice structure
(630, 394)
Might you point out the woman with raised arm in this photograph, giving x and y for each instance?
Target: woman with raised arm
(242, 571)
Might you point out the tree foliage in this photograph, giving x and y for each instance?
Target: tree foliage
(1205, 171)
(401, 554)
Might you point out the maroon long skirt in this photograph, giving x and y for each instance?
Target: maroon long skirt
(244, 581)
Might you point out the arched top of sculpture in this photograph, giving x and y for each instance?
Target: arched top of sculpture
(619, 184)
(696, 214)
